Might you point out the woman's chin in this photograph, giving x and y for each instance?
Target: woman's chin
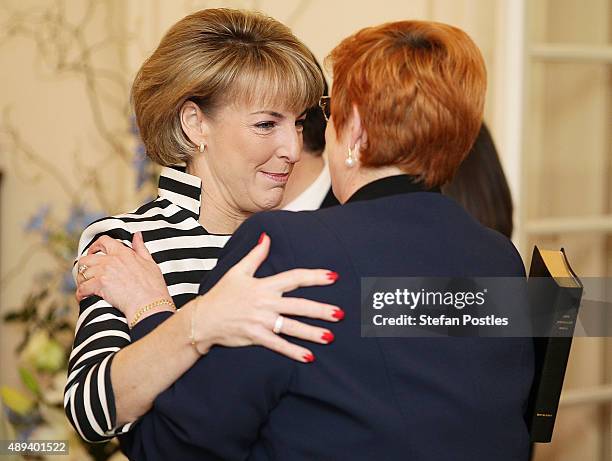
(270, 200)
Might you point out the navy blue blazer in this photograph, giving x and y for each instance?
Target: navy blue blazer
(363, 398)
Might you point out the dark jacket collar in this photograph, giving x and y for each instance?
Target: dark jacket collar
(391, 185)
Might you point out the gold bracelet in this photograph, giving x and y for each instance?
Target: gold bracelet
(148, 307)
(192, 333)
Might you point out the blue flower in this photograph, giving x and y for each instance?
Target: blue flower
(36, 222)
(134, 126)
(140, 161)
(27, 423)
(79, 218)
(68, 286)
(141, 165)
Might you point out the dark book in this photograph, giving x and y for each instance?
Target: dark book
(554, 293)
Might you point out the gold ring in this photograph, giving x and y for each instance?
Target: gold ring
(82, 269)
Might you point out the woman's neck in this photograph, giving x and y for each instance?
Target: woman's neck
(362, 176)
(304, 173)
(217, 215)
(218, 218)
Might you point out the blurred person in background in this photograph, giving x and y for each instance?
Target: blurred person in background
(480, 185)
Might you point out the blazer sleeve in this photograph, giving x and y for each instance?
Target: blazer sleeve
(101, 331)
(216, 409)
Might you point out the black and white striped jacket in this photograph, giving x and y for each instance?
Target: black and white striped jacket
(183, 250)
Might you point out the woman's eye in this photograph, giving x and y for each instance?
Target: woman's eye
(300, 123)
(265, 125)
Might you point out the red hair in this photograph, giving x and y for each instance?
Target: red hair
(419, 87)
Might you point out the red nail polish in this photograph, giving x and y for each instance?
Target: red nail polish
(308, 358)
(338, 314)
(332, 276)
(261, 237)
(328, 337)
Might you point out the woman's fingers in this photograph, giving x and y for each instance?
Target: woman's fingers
(106, 245)
(257, 313)
(308, 308)
(90, 260)
(88, 274)
(296, 278)
(139, 247)
(91, 266)
(306, 332)
(87, 288)
(251, 262)
(275, 343)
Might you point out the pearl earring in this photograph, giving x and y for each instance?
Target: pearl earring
(350, 160)
(202, 147)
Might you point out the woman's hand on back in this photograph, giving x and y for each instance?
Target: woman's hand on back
(240, 310)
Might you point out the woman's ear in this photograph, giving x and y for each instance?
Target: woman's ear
(358, 135)
(193, 123)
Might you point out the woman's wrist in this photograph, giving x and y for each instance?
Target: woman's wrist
(164, 304)
(198, 335)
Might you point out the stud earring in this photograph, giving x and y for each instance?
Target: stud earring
(202, 147)
(350, 160)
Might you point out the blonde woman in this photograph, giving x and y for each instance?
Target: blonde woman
(225, 95)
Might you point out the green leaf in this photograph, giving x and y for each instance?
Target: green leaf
(29, 380)
(16, 401)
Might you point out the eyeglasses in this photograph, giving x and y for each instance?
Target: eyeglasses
(325, 105)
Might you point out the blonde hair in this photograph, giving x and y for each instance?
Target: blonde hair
(217, 57)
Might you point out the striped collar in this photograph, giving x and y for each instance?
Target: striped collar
(181, 188)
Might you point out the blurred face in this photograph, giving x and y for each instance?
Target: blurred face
(250, 152)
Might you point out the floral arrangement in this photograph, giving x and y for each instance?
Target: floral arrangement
(70, 45)
(46, 317)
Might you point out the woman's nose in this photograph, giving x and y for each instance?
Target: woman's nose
(291, 149)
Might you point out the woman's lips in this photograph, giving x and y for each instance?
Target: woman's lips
(277, 177)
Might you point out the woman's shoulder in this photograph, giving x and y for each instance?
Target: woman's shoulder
(281, 220)
(284, 226)
(123, 226)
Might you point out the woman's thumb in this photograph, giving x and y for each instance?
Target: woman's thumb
(139, 247)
